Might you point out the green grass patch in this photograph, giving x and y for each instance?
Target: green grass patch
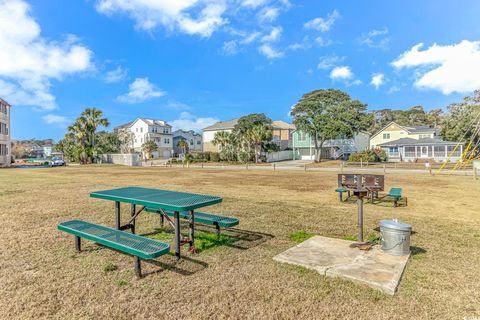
(122, 282)
(349, 238)
(109, 267)
(207, 240)
(161, 235)
(300, 236)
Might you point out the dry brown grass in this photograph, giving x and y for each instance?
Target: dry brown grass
(41, 276)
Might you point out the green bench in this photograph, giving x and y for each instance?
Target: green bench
(138, 246)
(201, 217)
(396, 195)
(341, 190)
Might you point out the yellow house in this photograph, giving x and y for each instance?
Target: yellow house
(412, 144)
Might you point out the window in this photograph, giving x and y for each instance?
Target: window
(3, 128)
(136, 129)
(166, 141)
(191, 142)
(3, 150)
(141, 140)
(302, 136)
(386, 136)
(141, 129)
(199, 142)
(424, 136)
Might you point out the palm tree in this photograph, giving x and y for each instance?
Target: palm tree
(256, 136)
(184, 145)
(148, 147)
(222, 139)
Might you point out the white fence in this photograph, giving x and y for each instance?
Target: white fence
(280, 156)
(126, 159)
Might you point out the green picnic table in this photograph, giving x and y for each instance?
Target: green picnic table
(162, 200)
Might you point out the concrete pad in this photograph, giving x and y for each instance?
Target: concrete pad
(334, 258)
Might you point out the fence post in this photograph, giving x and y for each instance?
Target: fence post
(202, 165)
(183, 164)
(361, 163)
(384, 168)
(274, 167)
(246, 165)
(305, 167)
(475, 173)
(341, 167)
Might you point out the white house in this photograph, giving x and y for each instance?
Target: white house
(5, 140)
(143, 130)
(209, 133)
(193, 139)
(412, 144)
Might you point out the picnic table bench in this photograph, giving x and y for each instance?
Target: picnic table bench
(201, 217)
(396, 195)
(137, 246)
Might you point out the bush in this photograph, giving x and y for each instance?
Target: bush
(372, 155)
(214, 157)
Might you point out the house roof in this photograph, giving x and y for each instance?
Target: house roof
(409, 129)
(5, 102)
(150, 122)
(418, 142)
(222, 125)
(179, 132)
(279, 124)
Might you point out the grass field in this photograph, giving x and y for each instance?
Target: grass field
(41, 276)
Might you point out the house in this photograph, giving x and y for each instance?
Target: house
(143, 130)
(193, 139)
(340, 148)
(282, 133)
(5, 139)
(412, 144)
(209, 133)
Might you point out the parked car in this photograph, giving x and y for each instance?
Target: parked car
(57, 162)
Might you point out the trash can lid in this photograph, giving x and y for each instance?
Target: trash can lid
(397, 225)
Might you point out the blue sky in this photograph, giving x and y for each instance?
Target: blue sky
(192, 62)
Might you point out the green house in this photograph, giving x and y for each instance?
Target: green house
(304, 147)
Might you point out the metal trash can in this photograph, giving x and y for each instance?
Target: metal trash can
(395, 237)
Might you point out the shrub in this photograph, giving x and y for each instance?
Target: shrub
(214, 156)
(372, 155)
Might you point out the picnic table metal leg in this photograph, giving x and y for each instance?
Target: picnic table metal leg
(117, 214)
(133, 212)
(192, 230)
(138, 267)
(161, 219)
(341, 198)
(78, 245)
(217, 230)
(176, 215)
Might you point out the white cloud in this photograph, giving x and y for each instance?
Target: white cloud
(393, 89)
(376, 39)
(175, 105)
(323, 24)
(341, 73)
(188, 121)
(327, 62)
(249, 38)
(28, 62)
(253, 3)
(54, 119)
(268, 14)
(378, 79)
(449, 68)
(116, 75)
(194, 17)
(140, 90)
(230, 47)
(322, 42)
(269, 52)
(273, 36)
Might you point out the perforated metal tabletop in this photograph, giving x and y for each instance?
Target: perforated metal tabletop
(157, 198)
